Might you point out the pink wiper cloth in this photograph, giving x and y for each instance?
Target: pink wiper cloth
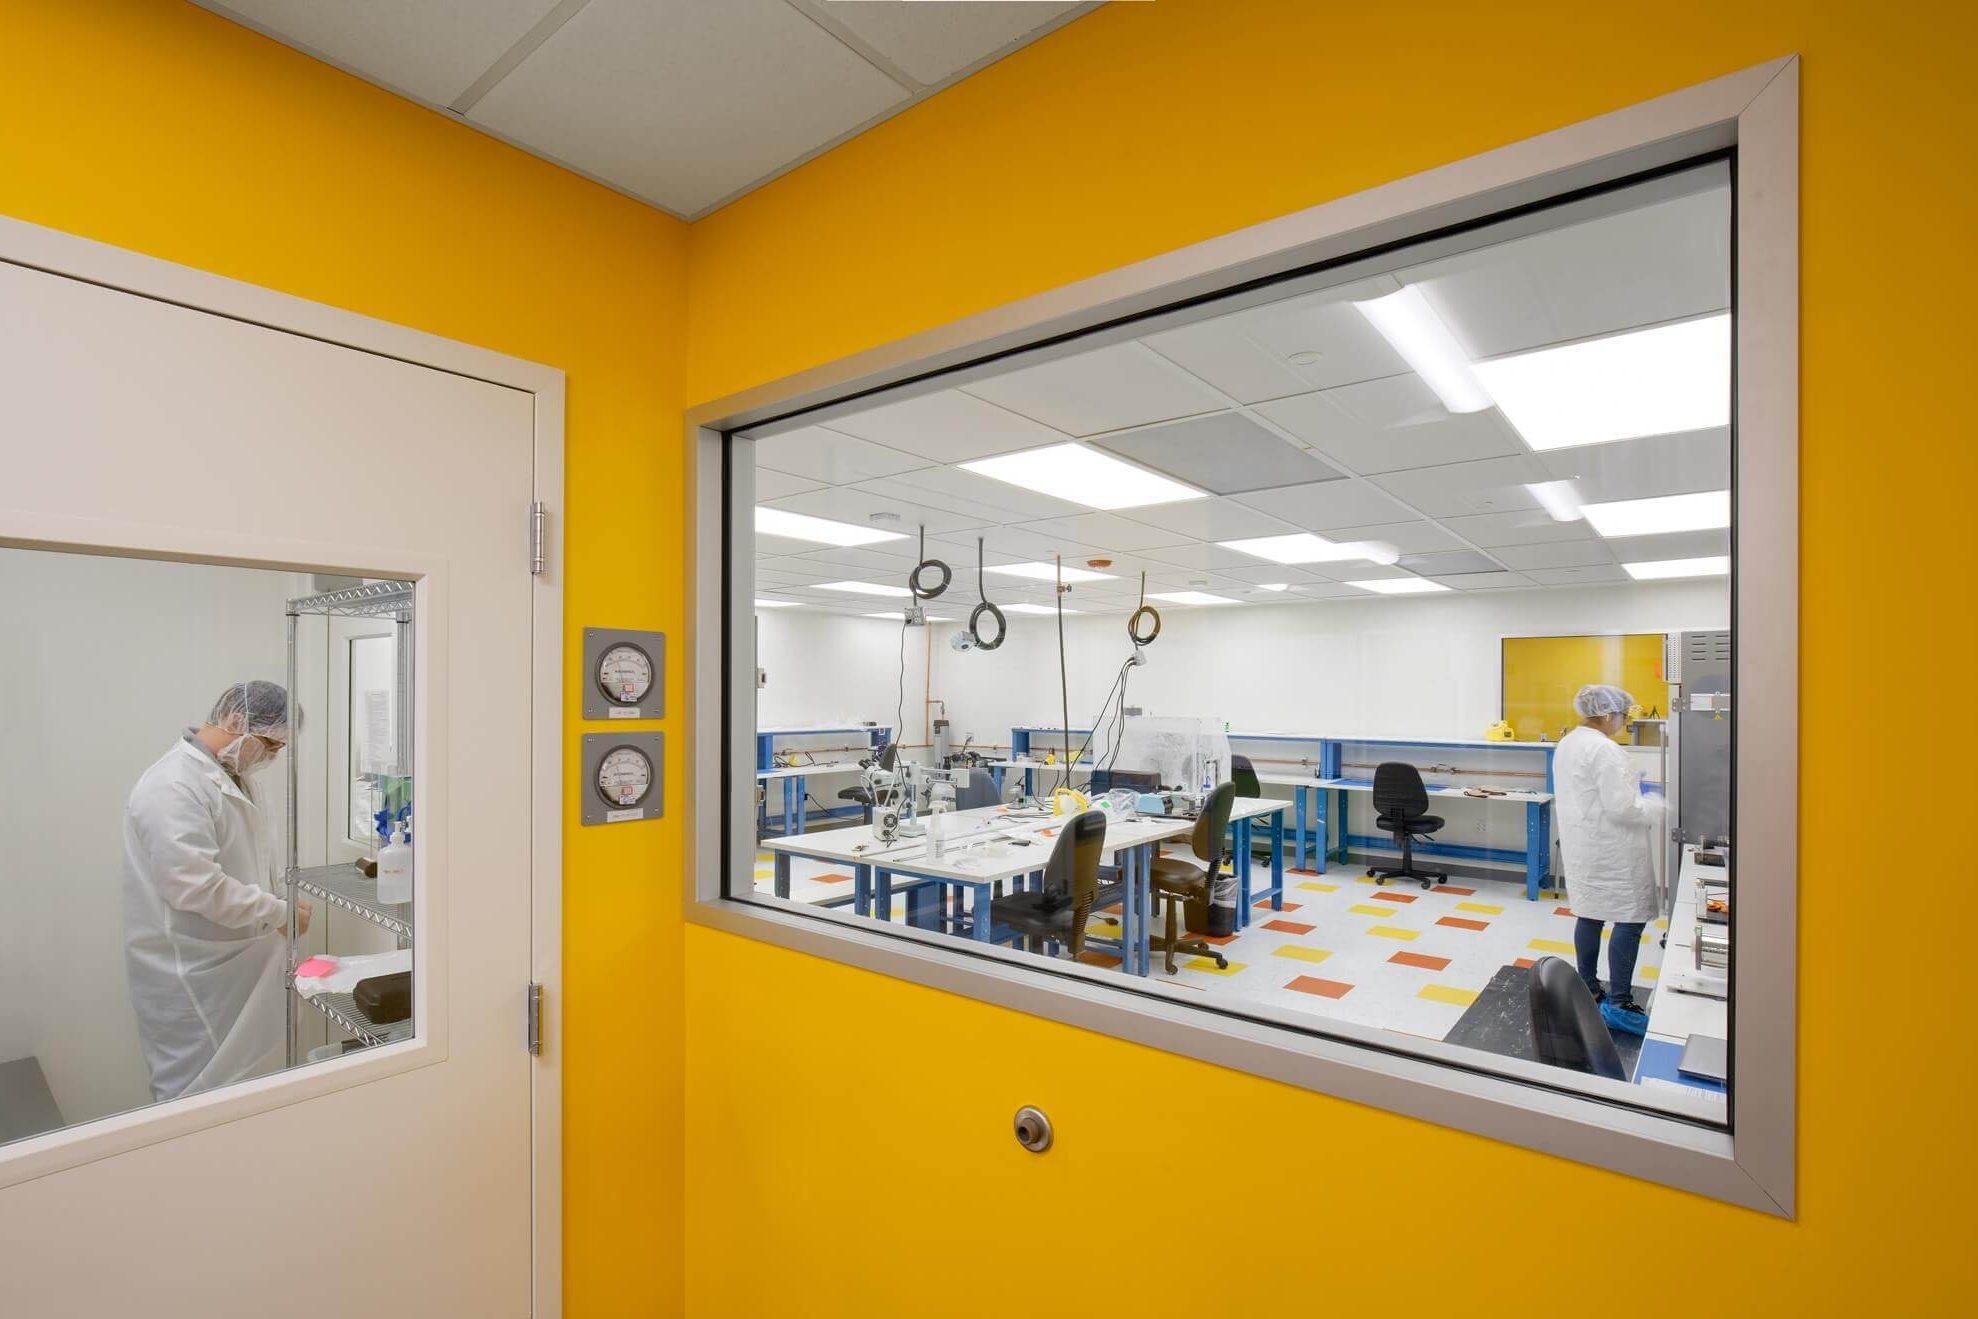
(316, 966)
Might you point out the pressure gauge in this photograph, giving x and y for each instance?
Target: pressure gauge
(624, 778)
(623, 774)
(627, 673)
(624, 674)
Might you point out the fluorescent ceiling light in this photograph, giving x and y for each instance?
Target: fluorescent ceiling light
(898, 617)
(1083, 476)
(1716, 565)
(1399, 585)
(1304, 547)
(1647, 382)
(1412, 328)
(862, 588)
(1034, 609)
(1652, 517)
(1045, 572)
(1275, 586)
(1189, 598)
(775, 604)
(1559, 499)
(799, 526)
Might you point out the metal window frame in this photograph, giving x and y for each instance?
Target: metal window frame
(1754, 112)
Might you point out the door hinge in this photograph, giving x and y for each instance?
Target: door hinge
(532, 1002)
(538, 538)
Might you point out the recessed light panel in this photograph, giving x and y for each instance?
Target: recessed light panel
(862, 588)
(775, 604)
(1559, 499)
(800, 526)
(1189, 598)
(1400, 586)
(1716, 565)
(1047, 572)
(1647, 382)
(1653, 517)
(1275, 586)
(1414, 330)
(1083, 476)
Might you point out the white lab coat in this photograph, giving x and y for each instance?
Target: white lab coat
(200, 917)
(1606, 829)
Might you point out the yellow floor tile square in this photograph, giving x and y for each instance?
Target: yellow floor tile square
(1648, 973)
(1209, 964)
(1461, 998)
(1549, 946)
(1302, 953)
(1483, 907)
(1316, 887)
(1363, 910)
(1394, 932)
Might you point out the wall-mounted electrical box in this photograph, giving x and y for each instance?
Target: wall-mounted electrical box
(624, 673)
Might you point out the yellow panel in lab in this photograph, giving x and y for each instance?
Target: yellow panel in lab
(1541, 675)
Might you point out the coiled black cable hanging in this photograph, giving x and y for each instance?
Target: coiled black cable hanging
(1145, 610)
(975, 617)
(921, 592)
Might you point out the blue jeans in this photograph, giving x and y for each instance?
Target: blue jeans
(1622, 950)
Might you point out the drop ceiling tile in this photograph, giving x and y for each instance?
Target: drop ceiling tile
(1488, 485)
(1592, 575)
(433, 49)
(777, 485)
(1449, 563)
(1531, 526)
(1562, 554)
(948, 427)
(1104, 390)
(966, 492)
(1203, 555)
(1485, 581)
(1213, 519)
(1322, 507)
(772, 546)
(833, 458)
(1328, 591)
(1008, 544)
(1406, 537)
(1107, 529)
(1670, 545)
(1391, 425)
(1224, 452)
(932, 42)
(1311, 341)
(1681, 464)
(684, 102)
(1271, 572)
(853, 560)
(1648, 264)
(862, 508)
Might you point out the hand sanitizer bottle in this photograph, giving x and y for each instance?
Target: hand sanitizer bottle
(395, 868)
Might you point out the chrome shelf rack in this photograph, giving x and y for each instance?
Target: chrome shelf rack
(346, 888)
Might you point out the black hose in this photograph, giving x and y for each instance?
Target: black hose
(1145, 610)
(975, 615)
(913, 578)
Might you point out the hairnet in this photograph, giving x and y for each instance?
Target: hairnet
(1597, 700)
(253, 709)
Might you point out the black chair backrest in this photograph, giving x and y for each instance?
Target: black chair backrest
(1105, 780)
(981, 790)
(1207, 840)
(889, 754)
(1071, 876)
(1566, 1027)
(1398, 789)
(1244, 775)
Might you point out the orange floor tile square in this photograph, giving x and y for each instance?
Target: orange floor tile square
(1266, 902)
(1395, 897)
(1323, 988)
(1457, 922)
(1422, 960)
(1289, 927)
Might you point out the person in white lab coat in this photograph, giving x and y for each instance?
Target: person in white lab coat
(1607, 829)
(204, 927)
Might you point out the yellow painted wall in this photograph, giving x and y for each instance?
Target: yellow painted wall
(848, 1148)
(1541, 675)
(159, 127)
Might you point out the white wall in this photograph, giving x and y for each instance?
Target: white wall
(103, 663)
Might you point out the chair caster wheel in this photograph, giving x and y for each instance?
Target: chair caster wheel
(1425, 886)
(1378, 879)
(1222, 964)
(1442, 879)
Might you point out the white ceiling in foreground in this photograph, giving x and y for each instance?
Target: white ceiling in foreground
(686, 104)
(1294, 415)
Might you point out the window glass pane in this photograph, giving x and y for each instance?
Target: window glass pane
(168, 816)
(1436, 725)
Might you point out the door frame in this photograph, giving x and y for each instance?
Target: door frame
(67, 255)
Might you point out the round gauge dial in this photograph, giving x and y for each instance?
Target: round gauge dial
(624, 778)
(624, 674)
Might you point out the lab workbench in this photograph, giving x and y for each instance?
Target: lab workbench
(795, 796)
(1687, 1001)
(876, 736)
(877, 867)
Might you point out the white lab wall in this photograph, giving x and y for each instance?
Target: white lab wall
(103, 663)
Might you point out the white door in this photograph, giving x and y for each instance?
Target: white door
(396, 1181)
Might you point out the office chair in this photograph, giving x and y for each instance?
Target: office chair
(1566, 1027)
(1179, 883)
(1401, 806)
(889, 755)
(1244, 775)
(981, 790)
(1059, 910)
